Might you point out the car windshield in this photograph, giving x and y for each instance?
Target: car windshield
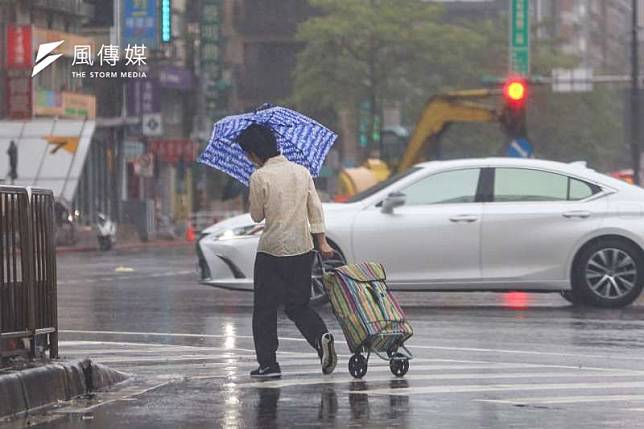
(380, 186)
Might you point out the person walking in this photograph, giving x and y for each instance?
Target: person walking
(282, 194)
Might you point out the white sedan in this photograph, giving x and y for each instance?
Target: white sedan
(473, 225)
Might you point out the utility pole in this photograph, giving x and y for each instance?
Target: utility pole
(635, 96)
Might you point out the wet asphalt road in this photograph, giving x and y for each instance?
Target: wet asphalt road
(482, 360)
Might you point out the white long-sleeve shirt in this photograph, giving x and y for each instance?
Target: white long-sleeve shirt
(283, 194)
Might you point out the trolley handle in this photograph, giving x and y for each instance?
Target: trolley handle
(320, 260)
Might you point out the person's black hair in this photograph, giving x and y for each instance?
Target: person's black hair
(260, 140)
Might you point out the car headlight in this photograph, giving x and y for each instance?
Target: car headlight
(240, 232)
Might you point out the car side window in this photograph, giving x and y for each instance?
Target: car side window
(580, 190)
(450, 187)
(523, 185)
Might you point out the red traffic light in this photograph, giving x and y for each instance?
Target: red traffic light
(514, 91)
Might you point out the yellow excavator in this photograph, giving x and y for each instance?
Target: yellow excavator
(439, 112)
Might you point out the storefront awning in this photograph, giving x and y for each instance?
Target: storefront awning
(51, 153)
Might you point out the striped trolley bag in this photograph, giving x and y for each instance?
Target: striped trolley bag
(370, 316)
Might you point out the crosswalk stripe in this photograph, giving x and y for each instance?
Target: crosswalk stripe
(201, 357)
(549, 400)
(219, 370)
(459, 376)
(168, 362)
(167, 355)
(68, 343)
(406, 391)
(338, 341)
(303, 363)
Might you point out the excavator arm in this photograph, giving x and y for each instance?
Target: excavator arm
(439, 112)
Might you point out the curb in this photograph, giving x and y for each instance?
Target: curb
(32, 388)
(135, 246)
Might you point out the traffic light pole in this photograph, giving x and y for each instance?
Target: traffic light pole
(635, 96)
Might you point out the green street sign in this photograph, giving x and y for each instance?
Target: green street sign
(520, 37)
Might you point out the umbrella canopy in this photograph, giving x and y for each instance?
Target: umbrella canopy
(300, 139)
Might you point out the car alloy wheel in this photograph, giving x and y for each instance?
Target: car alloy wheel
(611, 273)
(608, 273)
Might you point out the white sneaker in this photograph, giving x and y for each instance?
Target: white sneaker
(328, 357)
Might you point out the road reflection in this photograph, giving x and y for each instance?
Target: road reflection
(267, 408)
(330, 412)
(398, 405)
(359, 402)
(328, 405)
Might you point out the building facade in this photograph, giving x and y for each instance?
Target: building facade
(108, 122)
(595, 31)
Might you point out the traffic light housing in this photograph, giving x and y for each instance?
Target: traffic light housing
(513, 116)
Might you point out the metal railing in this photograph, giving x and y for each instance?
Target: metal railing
(28, 296)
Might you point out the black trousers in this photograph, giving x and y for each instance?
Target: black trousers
(283, 280)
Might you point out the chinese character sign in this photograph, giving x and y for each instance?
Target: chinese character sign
(19, 47)
(140, 22)
(520, 37)
(18, 95)
(210, 55)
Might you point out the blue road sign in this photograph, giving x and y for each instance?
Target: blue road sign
(140, 23)
(520, 148)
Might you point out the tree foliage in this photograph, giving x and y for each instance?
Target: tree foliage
(404, 51)
(375, 50)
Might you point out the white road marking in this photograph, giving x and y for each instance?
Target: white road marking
(523, 352)
(139, 359)
(110, 343)
(445, 348)
(384, 367)
(161, 347)
(459, 376)
(405, 391)
(550, 400)
(163, 334)
(175, 362)
(313, 370)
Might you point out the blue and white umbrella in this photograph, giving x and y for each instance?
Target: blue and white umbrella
(300, 138)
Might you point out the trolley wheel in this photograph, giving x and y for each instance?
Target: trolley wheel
(399, 367)
(357, 366)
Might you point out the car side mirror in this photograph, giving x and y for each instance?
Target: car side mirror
(393, 200)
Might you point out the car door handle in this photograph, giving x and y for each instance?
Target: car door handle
(464, 218)
(578, 214)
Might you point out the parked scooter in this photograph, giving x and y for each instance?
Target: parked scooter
(106, 232)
